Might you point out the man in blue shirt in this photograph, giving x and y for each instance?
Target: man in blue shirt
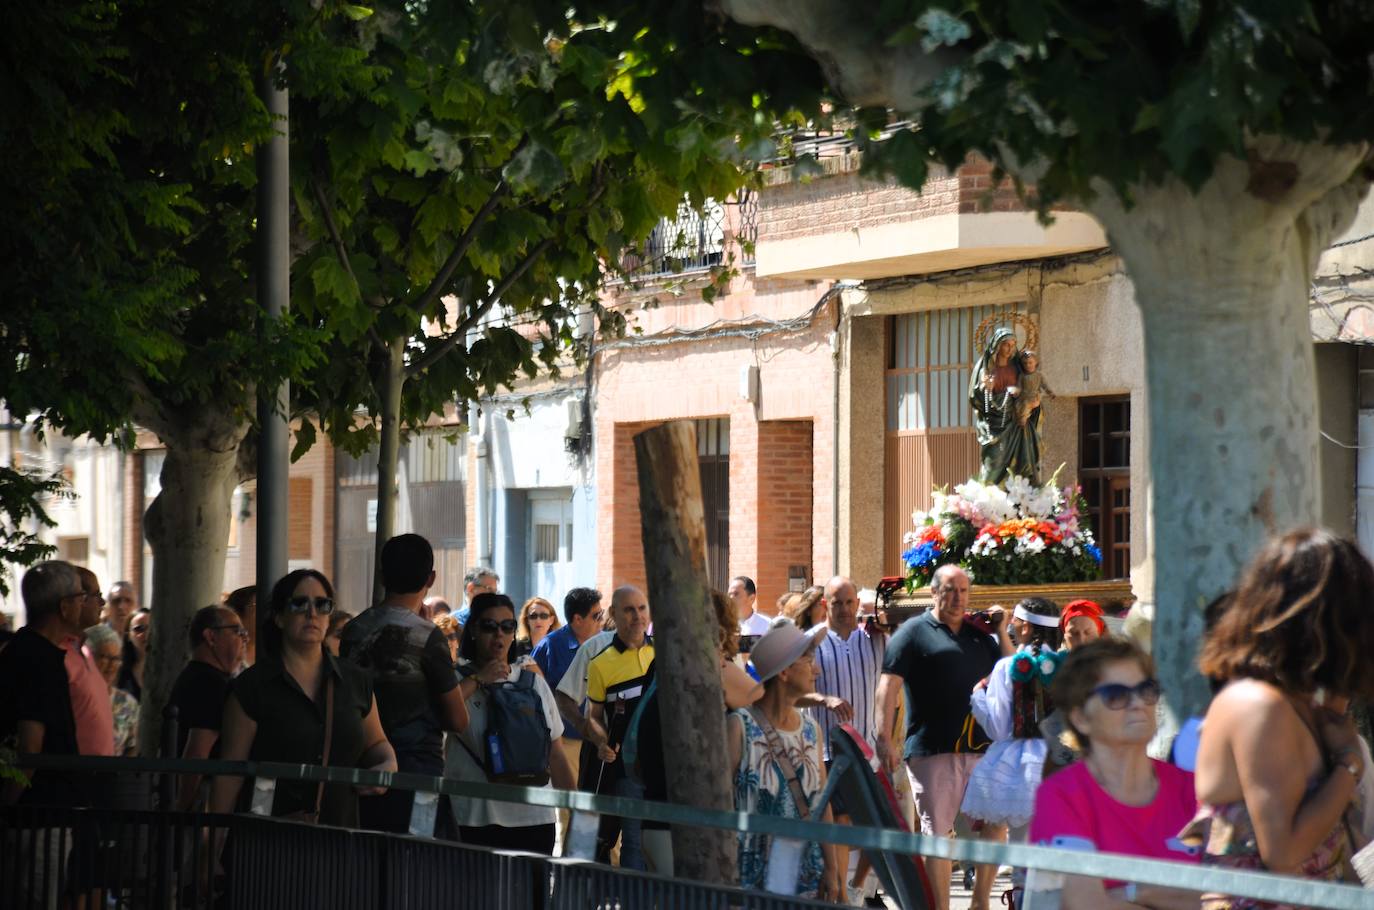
(583, 613)
(478, 580)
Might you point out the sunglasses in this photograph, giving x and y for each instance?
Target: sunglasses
(1116, 696)
(240, 631)
(491, 626)
(538, 615)
(300, 604)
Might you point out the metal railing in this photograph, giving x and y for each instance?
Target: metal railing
(611, 884)
(697, 239)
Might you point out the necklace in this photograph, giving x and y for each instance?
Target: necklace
(987, 400)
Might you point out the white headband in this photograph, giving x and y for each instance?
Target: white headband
(1035, 619)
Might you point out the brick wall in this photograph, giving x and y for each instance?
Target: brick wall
(619, 548)
(131, 560)
(848, 201)
(785, 502)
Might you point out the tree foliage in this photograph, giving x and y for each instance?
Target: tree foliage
(23, 494)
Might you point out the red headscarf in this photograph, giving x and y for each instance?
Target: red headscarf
(1082, 608)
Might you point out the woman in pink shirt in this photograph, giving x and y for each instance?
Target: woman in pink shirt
(1117, 799)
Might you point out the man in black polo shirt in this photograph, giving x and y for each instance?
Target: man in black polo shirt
(36, 717)
(217, 638)
(36, 710)
(939, 659)
(412, 674)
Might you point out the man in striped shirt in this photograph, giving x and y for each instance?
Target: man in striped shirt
(849, 660)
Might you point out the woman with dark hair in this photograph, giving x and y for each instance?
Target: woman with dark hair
(487, 660)
(244, 602)
(1291, 650)
(1009, 705)
(300, 704)
(1116, 799)
(135, 653)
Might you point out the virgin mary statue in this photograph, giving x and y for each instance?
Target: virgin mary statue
(1007, 447)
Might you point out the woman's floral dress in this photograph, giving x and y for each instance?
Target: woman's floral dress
(761, 789)
(125, 709)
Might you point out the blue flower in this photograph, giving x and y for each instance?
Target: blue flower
(922, 555)
(1095, 552)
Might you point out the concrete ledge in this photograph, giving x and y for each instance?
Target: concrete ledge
(933, 244)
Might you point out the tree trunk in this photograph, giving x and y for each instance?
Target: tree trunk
(1222, 279)
(388, 454)
(188, 528)
(687, 662)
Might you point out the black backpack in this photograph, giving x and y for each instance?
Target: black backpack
(516, 743)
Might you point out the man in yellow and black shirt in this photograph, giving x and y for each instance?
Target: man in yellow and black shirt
(616, 680)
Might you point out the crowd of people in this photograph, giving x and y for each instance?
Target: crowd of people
(1031, 723)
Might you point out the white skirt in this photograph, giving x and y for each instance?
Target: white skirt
(1002, 788)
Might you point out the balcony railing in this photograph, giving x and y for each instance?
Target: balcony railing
(698, 239)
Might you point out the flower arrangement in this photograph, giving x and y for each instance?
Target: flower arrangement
(1017, 534)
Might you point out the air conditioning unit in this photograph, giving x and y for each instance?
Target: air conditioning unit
(574, 431)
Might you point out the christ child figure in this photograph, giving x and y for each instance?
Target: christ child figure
(1031, 387)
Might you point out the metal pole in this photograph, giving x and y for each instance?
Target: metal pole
(274, 296)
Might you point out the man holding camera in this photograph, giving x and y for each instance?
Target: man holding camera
(939, 657)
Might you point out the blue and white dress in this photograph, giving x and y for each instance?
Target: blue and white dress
(1002, 788)
(760, 788)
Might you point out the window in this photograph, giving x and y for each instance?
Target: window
(546, 543)
(930, 361)
(713, 454)
(1104, 472)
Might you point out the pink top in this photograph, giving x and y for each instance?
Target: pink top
(1072, 810)
(91, 706)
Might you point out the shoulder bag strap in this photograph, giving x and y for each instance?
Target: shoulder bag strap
(789, 771)
(328, 734)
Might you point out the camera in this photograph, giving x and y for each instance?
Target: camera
(747, 642)
(986, 620)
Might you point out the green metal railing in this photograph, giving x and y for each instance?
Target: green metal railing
(1257, 885)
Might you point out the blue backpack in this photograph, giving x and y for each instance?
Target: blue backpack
(516, 743)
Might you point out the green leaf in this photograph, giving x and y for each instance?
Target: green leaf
(535, 169)
(942, 29)
(356, 13)
(330, 280)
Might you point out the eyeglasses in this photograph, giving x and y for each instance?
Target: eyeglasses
(109, 658)
(598, 617)
(300, 604)
(240, 631)
(491, 626)
(96, 595)
(1116, 696)
(538, 615)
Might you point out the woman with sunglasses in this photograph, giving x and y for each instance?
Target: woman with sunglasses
(1291, 649)
(300, 704)
(486, 658)
(537, 619)
(1116, 799)
(135, 654)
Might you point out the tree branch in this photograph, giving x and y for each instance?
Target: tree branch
(339, 249)
(436, 354)
(853, 58)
